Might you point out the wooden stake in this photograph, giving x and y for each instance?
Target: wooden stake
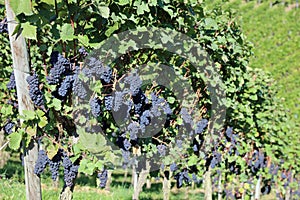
(21, 71)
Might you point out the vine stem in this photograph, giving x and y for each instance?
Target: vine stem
(3, 146)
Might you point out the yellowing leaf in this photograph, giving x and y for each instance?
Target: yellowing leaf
(31, 131)
(52, 150)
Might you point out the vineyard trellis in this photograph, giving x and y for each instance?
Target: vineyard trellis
(61, 36)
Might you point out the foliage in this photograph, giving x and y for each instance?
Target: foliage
(255, 125)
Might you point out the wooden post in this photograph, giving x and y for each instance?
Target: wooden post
(258, 188)
(139, 181)
(208, 185)
(167, 185)
(220, 189)
(21, 70)
(4, 155)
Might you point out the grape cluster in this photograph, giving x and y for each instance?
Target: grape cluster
(34, 90)
(95, 105)
(66, 85)
(182, 177)
(97, 69)
(61, 67)
(134, 82)
(108, 102)
(161, 150)
(3, 26)
(83, 52)
(173, 167)
(126, 157)
(273, 169)
(257, 161)
(103, 178)
(12, 82)
(70, 170)
(201, 125)
(54, 164)
(41, 162)
(134, 129)
(78, 88)
(8, 127)
(126, 144)
(216, 159)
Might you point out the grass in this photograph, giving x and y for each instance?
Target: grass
(11, 189)
(12, 186)
(275, 34)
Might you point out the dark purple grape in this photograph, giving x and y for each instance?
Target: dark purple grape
(126, 144)
(78, 88)
(66, 85)
(161, 149)
(41, 162)
(61, 67)
(108, 101)
(12, 82)
(70, 170)
(173, 167)
(134, 82)
(103, 178)
(83, 52)
(34, 90)
(201, 125)
(95, 105)
(3, 26)
(8, 128)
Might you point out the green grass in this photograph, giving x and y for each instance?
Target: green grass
(275, 34)
(14, 190)
(12, 186)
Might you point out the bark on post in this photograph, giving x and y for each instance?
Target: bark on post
(167, 185)
(220, 190)
(140, 181)
(208, 185)
(257, 188)
(4, 155)
(109, 180)
(67, 193)
(21, 71)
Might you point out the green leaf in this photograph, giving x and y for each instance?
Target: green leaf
(111, 29)
(67, 32)
(43, 122)
(29, 31)
(123, 2)
(21, 6)
(29, 115)
(57, 104)
(95, 143)
(51, 2)
(83, 165)
(171, 100)
(211, 23)
(142, 8)
(83, 39)
(15, 140)
(104, 11)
